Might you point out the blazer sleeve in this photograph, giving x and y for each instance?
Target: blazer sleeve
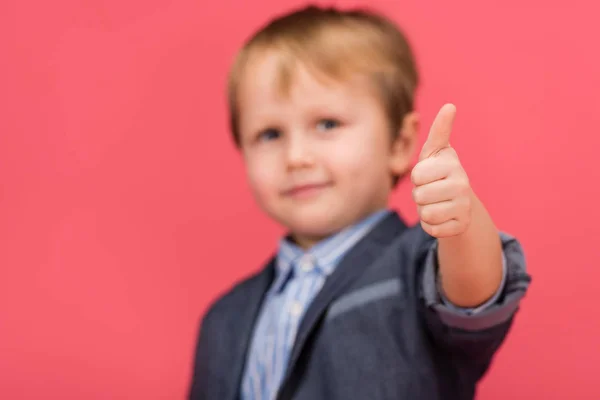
(474, 335)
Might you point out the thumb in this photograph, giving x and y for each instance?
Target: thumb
(439, 134)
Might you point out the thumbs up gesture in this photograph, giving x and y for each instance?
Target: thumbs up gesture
(442, 190)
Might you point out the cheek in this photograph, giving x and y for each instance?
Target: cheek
(262, 177)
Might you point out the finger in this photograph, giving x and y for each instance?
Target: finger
(433, 169)
(439, 134)
(438, 191)
(447, 229)
(438, 213)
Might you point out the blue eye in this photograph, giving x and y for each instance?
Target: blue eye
(327, 124)
(269, 134)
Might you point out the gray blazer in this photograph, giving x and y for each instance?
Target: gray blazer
(374, 331)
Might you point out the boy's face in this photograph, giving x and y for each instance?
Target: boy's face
(320, 157)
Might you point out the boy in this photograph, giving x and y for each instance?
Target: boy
(355, 305)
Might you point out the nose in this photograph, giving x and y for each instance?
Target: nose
(299, 153)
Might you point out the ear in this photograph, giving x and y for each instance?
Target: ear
(404, 145)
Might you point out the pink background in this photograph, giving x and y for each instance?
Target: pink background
(124, 211)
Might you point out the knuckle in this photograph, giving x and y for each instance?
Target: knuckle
(465, 181)
(418, 195)
(468, 206)
(466, 221)
(428, 228)
(454, 163)
(453, 152)
(432, 215)
(463, 186)
(461, 226)
(427, 214)
(415, 175)
(415, 195)
(435, 231)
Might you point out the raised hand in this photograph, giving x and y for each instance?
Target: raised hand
(442, 190)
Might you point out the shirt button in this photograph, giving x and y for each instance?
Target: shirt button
(306, 264)
(296, 309)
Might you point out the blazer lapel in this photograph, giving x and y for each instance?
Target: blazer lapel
(242, 328)
(364, 253)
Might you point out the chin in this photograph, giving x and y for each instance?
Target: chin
(314, 226)
(316, 219)
(313, 233)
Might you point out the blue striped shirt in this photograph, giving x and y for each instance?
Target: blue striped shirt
(299, 277)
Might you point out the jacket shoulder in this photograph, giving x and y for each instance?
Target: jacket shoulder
(227, 304)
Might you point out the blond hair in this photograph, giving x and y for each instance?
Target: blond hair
(336, 44)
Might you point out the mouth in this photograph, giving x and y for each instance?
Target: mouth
(306, 191)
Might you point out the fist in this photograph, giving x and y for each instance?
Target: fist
(441, 187)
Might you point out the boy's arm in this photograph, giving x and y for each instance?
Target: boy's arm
(474, 277)
(473, 335)
(453, 321)
(471, 265)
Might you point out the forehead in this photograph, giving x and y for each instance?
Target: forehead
(276, 77)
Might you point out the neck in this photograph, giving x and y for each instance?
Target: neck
(306, 242)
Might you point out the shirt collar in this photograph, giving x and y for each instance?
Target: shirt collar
(325, 255)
